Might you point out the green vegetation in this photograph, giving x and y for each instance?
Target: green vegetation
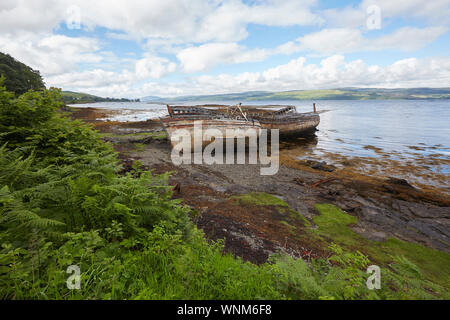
(432, 265)
(155, 135)
(362, 94)
(160, 136)
(19, 78)
(63, 203)
(333, 223)
(260, 199)
(315, 95)
(70, 97)
(139, 146)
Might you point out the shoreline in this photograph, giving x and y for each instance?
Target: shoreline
(243, 209)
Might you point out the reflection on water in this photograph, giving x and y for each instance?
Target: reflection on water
(305, 143)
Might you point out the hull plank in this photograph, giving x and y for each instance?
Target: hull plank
(297, 125)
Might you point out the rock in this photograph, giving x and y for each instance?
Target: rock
(299, 181)
(318, 165)
(399, 182)
(145, 140)
(425, 224)
(323, 166)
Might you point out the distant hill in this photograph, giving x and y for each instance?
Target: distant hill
(151, 98)
(19, 78)
(361, 94)
(70, 97)
(331, 94)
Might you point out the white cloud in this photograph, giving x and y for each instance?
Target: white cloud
(193, 21)
(99, 80)
(204, 57)
(171, 26)
(202, 34)
(345, 40)
(327, 41)
(51, 54)
(331, 72)
(335, 72)
(31, 16)
(58, 58)
(228, 21)
(154, 67)
(89, 79)
(324, 42)
(433, 12)
(407, 39)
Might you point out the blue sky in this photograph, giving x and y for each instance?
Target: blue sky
(178, 47)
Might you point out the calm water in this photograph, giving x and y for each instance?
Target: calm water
(401, 126)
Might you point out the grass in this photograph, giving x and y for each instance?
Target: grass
(260, 199)
(158, 136)
(394, 256)
(434, 264)
(334, 223)
(139, 146)
(161, 136)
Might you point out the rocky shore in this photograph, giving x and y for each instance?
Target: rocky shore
(259, 215)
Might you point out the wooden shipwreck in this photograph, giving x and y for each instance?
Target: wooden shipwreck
(182, 120)
(219, 117)
(288, 120)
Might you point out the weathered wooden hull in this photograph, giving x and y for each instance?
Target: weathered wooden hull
(177, 127)
(295, 125)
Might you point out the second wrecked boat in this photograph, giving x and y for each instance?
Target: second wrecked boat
(288, 120)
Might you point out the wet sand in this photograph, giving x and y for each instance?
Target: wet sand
(385, 204)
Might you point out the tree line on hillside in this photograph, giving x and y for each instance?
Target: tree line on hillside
(19, 78)
(69, 97)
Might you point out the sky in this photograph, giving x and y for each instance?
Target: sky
(166, 48)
